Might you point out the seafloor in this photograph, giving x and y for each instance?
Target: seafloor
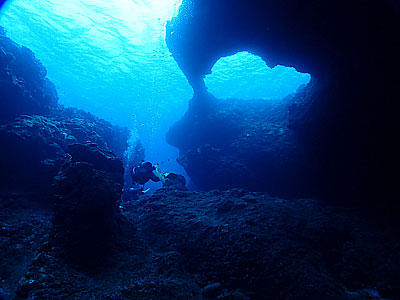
(206, 245)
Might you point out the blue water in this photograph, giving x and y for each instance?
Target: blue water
(246, 76)
(109, 57)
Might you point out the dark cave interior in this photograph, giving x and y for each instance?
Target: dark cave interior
(341, 138)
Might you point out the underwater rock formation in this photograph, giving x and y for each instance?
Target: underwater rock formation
(84, 126)
(23, 83)
(317, 38)
(86, 214)
(242, 144)
(37, 147)
(32, 154)
(38, 137)
(35, 130)
(347, 118)
(231, 245)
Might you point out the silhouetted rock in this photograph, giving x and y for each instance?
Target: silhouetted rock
(344, 129)
(88, 190)
(24, 88)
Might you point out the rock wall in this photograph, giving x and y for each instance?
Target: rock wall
(23, 83)
(345, 120)
(37, 146)
(35, 131)
(246, 144)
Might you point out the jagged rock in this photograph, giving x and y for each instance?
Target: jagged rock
(24, 88)
(236, 144)
(85, 127)
(36, 146)
(31, 154)
(344, 129)
(88, 190)
(35, 131)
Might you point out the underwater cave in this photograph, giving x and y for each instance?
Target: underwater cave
(270, 128)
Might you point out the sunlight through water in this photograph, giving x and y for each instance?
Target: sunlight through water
(109, 57)
(246, 76)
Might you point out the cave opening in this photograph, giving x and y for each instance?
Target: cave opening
(117, 65)
(247, 76)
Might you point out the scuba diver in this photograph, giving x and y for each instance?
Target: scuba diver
(144, 172)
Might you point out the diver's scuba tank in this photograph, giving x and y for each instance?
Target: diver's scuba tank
(160, 175)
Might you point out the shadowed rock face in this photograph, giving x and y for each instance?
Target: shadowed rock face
(88, 190)
(345, 120)
(23, 83)
(244, 144)
(36, 147)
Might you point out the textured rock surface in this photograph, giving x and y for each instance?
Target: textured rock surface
(23, 83)
(36, 147)
(35, 131)
(32, 152)
(230, 245)
(86, 213)
(84, 126)
(23, 230)
(348, 116)
(243, 144)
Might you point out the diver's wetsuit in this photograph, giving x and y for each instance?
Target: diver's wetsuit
(143, 173)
